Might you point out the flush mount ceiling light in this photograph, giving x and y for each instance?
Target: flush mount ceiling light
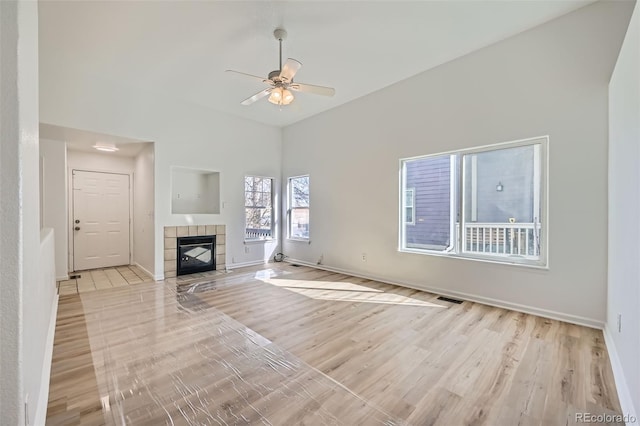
(106, 147)
(281, 80)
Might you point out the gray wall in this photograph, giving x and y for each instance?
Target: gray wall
(514, 169)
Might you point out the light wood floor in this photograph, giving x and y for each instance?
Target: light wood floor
(286, 345)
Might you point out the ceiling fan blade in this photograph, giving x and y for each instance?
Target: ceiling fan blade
(256, 97)
(289, 69)
(264, 80)
(310, 88)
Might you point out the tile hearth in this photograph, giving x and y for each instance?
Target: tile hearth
(171, 234)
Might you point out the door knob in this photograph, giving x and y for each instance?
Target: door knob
(77, 220)
(77, 228)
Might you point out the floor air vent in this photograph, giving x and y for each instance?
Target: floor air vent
(448, 299)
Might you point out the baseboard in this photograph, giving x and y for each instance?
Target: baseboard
(626, 402)
(43, 398)
(245, 264)
(62, 278)
(573, 319)
(146, 271)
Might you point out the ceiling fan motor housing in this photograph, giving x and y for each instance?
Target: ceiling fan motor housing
(280, 34)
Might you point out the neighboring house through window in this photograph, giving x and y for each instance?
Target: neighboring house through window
(299, 207)
(258, 208)
(487, 203)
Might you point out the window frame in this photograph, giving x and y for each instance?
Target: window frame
(273, 209)
(457, 183)
(412, 206)
(290, 208)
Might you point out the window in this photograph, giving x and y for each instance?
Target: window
(409, 196)
(258, 208)
(487, 203)
(299, 207)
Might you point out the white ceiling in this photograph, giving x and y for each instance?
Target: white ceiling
(82, 140)
(182, 48)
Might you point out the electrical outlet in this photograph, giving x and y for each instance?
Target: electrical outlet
(246, 249)
(619, 323)
(364, 257)
(233, 260)
(321, 259)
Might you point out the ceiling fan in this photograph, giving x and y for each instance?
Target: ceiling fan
(281, 81)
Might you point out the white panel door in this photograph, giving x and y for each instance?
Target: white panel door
(100, 220)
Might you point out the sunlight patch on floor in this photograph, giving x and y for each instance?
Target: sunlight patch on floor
(343, 291)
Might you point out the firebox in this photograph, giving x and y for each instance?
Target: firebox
(196, 254)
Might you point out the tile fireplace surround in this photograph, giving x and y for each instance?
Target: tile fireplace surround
(171, 234)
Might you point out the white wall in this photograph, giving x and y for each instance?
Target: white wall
(39, 348)
(624, 227)
(57, 168)
(54, 155)
(99, 162)
(185, 135)
(143, 210)
(551, 80)
(11, 386)
(25, 306)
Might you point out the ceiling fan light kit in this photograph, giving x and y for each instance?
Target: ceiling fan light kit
(280, 96)
(281, 80)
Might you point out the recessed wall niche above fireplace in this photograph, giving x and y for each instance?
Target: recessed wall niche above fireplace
(194, 191)
(173, 233)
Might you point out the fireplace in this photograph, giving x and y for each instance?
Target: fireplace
(196, 254)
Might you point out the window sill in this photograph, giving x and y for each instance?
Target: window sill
(300, 240)
(263, 240)
(494, 260)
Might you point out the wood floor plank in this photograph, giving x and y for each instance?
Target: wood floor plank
(86, 286)
(282, 345)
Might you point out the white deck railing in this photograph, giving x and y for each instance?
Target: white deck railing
(521, 239)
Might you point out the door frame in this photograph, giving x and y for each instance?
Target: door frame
(70, 224)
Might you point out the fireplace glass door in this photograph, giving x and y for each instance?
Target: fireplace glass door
(196, 254)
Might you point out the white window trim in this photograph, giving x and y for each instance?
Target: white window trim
(273, 211)
(290, 209)
(412, 206)
(455, 250)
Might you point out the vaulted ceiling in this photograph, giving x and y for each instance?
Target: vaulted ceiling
(181, 49)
